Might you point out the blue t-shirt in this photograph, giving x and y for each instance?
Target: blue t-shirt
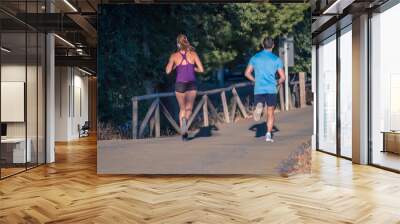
(265, 65)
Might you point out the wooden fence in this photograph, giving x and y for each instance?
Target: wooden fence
(152, 116)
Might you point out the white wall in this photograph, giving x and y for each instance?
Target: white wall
(62, 82)
(71, 93)
(33, 127)
(12, 73)
(17, 73)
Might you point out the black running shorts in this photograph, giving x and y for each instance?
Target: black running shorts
(266, 99)
(182, 87)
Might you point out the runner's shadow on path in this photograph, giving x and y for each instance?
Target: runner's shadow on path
(204, 132)
(260, 129)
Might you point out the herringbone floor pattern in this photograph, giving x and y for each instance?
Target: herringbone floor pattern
(69, 191)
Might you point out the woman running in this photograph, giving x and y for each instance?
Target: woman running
(186, 62)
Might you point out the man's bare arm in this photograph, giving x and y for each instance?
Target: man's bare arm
(282, 76)
(249, 73)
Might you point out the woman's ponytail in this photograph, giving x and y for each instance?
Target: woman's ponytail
(183, 43)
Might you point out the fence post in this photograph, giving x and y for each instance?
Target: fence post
(296, 95)
(146, 119)
(205, 111)
(195, 112)
(281, 98)
(225, 106)
(233, 109)
(157, 120)
(302, 85)
(214, 111)
(239, 103)
(135, 117)
(291, 103)
(152, 125)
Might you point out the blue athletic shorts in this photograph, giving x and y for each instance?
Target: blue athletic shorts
(266, 99)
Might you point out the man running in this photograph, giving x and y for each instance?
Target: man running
(265, 65)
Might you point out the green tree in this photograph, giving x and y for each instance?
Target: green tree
(303, 45)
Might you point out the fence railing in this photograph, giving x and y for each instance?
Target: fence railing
(151, 120)
(152, 117)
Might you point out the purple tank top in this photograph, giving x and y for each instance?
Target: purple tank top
(185, 73)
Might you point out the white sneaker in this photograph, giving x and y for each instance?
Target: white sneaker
(268, 137)
(258, 111)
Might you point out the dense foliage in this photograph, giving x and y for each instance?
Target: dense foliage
(135, 42)
(303, 45)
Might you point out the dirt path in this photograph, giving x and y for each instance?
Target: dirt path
(237, 148)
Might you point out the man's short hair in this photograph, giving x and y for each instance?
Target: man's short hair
(268, 43)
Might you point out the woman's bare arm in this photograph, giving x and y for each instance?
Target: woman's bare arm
(170, 65)
(199, 66)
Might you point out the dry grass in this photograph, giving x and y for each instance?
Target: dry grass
(298, 162)
(108, 132)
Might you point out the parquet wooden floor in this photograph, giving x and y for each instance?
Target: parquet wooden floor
(70, 191)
